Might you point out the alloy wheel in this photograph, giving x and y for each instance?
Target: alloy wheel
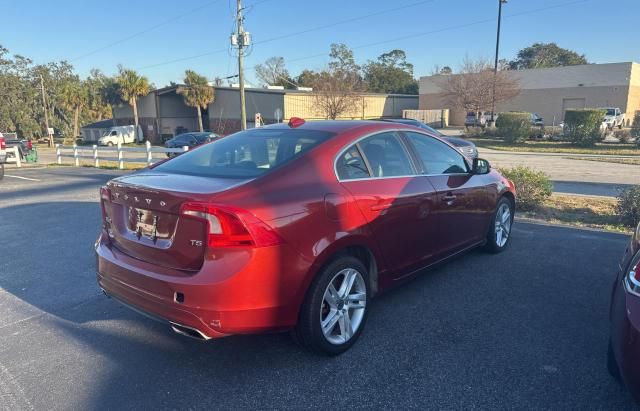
(503, 224)
(343, 306)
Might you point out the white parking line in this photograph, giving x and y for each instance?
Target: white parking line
(22, 178)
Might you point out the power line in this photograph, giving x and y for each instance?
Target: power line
(139, 33)
(448, 28)
(337, 23)
(350, 20)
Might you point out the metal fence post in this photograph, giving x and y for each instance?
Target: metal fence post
(16, 153)
(96, 162)
(120, 158)
(58, 154)
(149, 157)
(75, 155)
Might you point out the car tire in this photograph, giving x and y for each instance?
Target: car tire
(327, 318)
(612, 364)
(501, 225)
(110, 144)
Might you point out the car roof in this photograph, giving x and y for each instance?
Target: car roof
(338, 126)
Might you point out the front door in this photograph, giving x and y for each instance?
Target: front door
(463, 209)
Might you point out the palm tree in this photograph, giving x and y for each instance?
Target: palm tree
(196, 92)
(74, 96)
(131, 86)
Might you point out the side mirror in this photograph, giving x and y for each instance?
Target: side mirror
(481, 166)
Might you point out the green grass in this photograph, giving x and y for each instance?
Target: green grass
(558, 147)
(629, 161)
(579, 211)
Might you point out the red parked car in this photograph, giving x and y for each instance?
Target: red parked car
(624, 345)
(294, 226)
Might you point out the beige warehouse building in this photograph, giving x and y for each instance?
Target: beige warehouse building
(163, 114)
(550, 91)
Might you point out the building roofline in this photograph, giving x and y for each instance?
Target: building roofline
(167, 89)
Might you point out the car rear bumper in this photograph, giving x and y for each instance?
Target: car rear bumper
(249, 293)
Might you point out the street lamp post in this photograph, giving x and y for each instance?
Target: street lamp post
(495, 66)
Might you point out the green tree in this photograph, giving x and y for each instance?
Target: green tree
(101, 95)
(131, 86)
(337, 88)
(196, 92)
(391, 73)
(74, 96)
(543, 55)
(306, 78)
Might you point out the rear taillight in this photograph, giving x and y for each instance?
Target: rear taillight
(231, 227)
(105, 197)
(3, 145)
(633, 276)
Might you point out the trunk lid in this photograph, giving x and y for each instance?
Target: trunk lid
(144, 219)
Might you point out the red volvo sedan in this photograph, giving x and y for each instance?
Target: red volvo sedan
(624, 345)
(294, 226)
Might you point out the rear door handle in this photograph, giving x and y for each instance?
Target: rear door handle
(380, 207)
(449, 198)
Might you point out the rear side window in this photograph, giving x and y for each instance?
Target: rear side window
(436, 156)
(351, 165)
(386, 155)
(246, 154)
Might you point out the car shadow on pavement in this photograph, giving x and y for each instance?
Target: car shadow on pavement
(479, 332)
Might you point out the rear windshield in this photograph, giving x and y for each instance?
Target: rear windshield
(246, 154)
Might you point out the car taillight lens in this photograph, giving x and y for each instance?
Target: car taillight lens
(633, 277)
(232, 227)
(3, 145)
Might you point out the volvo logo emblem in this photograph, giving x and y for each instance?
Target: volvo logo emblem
(148, 200)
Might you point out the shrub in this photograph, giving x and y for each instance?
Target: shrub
(624, 135)
(629, 206)
(474, 132)
(532, 187)
(514, 127)
(583, 127)
(635, 129)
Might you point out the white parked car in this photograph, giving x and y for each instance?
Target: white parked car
(613, 118)
(119, 134)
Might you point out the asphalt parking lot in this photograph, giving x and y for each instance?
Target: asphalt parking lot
(525, 329)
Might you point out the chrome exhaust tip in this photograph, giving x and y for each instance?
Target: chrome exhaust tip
(189, 332)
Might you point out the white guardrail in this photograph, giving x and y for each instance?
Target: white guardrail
(115, 153)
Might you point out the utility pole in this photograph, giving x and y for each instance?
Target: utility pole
(495, 66)
(241, 41)
(46, 114)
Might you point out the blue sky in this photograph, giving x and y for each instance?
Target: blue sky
(432, 32)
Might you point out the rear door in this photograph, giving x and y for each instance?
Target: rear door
(379, 173)
(463, 202)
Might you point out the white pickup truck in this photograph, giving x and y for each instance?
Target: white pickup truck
(613, 118)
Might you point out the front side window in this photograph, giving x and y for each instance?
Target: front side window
(246, 154)
(386, 155)
(351, 165)
(436, 156)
